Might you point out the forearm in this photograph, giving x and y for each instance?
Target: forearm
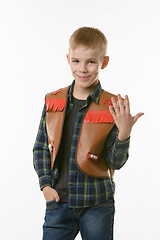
(41, 154)
(116, 152)
(42, 166)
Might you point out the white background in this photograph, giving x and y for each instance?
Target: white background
(34, 38)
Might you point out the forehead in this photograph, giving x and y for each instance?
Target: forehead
(84, 52)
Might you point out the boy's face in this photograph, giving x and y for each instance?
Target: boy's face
(85, 64)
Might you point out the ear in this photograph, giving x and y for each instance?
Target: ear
(105, 62)
(68, 58)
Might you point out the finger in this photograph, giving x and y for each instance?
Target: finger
(112, 111)
(121, 103)
(116, 107)
(127, 104)
(138, 115)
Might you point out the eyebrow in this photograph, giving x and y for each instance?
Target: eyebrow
(86, 59)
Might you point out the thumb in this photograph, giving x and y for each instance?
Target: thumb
(56, 196)
(138, 115)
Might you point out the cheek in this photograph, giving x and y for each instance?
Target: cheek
(74, 67)
(95, 70)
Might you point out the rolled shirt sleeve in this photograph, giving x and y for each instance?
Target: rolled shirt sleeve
(116, 152)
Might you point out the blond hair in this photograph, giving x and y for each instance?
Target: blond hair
(90, 38)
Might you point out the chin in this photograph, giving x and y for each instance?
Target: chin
(87, 84)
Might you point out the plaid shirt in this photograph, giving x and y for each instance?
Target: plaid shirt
(84, 191)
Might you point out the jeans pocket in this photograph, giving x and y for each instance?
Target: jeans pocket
(51, 204)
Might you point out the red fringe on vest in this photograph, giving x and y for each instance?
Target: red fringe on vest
(98, 117)
(55, 104)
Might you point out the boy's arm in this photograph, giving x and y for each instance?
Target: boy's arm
(116, 152)
(41, 154)
(117, 144)
(42, 161)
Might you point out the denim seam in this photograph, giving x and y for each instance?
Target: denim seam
(111, 227)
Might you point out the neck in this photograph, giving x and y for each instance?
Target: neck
(82, 93)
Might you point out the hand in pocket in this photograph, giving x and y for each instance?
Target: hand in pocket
(50, 194)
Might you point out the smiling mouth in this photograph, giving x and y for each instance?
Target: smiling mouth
(83, 77)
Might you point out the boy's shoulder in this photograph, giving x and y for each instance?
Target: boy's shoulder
(106, 97)
(108, 94)
(60, 93)
(56, 100)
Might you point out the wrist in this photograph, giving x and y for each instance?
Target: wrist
(123, 138)
(46, 188)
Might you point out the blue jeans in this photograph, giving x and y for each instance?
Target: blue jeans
(64, 223)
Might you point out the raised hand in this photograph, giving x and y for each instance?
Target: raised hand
(122, 117)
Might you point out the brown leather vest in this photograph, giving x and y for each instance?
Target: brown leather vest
(95, 128)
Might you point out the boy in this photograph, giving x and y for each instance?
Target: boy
(83, 137)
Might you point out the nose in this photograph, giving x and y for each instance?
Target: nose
(83, 68)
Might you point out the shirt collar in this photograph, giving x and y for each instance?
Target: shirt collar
(95, 95)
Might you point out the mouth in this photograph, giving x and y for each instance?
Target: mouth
(83, 77)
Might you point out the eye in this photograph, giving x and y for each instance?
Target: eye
(75, 61)
(91, 62)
